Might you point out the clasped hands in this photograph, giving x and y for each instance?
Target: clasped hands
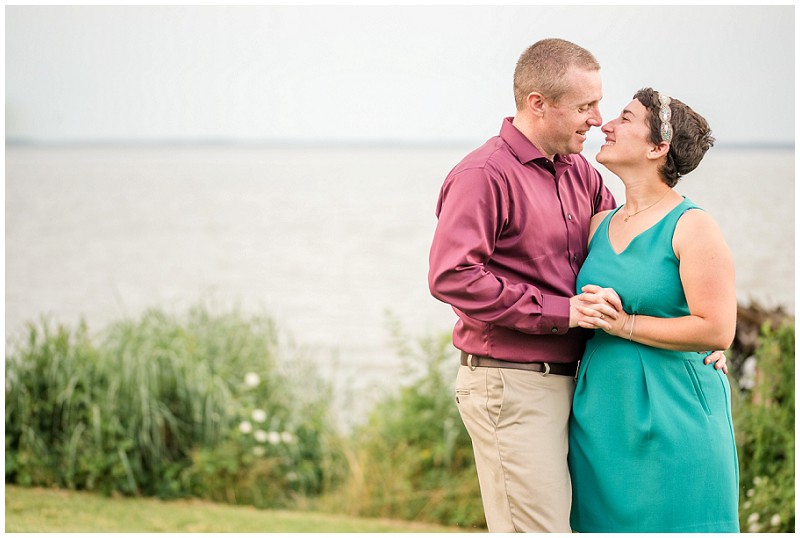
(601, 308)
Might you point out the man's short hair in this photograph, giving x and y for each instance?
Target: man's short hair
(541, 68)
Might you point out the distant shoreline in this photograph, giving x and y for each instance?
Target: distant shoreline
(335, 144)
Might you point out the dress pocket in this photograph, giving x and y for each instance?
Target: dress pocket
(698, 386)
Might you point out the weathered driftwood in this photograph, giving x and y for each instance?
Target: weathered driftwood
(749, 320)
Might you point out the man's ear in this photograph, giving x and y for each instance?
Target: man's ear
(536, 104)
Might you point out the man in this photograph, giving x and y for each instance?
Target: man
(513, 221)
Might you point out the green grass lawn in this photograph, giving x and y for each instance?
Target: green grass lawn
(45, 510)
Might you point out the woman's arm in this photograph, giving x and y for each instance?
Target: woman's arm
(707, 275)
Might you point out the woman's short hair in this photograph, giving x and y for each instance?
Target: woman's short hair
(541, 68)
(691, 135)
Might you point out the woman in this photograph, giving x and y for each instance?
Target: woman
(651, 436)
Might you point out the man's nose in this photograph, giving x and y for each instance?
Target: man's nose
(596, 119)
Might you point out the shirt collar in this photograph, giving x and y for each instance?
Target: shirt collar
(523, 148)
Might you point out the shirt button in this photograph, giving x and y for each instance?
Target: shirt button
(575, 258)
(569, 216)
(554, 330)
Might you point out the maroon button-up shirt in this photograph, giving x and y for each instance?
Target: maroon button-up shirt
(508, 246)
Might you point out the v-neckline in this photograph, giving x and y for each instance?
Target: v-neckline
(635, 237)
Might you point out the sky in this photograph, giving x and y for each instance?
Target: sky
(374, 73)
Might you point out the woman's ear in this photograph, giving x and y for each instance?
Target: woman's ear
(658, 151)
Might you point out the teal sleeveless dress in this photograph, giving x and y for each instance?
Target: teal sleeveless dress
(651, 443)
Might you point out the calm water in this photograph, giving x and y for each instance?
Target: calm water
(327, 241)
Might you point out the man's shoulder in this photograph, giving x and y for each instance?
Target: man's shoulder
(491, 156)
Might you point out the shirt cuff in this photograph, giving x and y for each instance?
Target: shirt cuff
(555, 314)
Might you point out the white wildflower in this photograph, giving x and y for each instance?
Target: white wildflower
(245, 427)
(259, 415)
(747, 505)
(757, 480)
(287, 437)
(259, 451)
(752, 518)
(751, 492)
(776, 520)
(292, 476)
(260, 436)
(251, 379)
(274, 438)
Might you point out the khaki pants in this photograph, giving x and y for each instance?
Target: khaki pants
(518, 424)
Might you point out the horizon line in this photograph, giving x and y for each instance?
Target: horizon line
(433, 144)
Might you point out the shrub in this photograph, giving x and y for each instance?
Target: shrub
(764, 423)
(200, 405)
(413, 458)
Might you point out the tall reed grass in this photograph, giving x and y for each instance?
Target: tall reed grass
(201, 404)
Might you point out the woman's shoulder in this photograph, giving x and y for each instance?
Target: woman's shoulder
(598, 217)
(596, 220)
(698, 227)
(693, 217)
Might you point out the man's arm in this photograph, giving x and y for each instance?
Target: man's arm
(473, 208)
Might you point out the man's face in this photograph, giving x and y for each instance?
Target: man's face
(568, 120)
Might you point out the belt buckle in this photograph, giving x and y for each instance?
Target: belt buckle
(546, 369)
(469, 362)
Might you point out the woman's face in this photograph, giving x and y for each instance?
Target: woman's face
(627, 137)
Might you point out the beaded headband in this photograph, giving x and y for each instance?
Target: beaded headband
(665, 114)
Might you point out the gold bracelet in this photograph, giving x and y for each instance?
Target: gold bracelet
(633, 320)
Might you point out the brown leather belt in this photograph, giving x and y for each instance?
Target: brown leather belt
(556, 368)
